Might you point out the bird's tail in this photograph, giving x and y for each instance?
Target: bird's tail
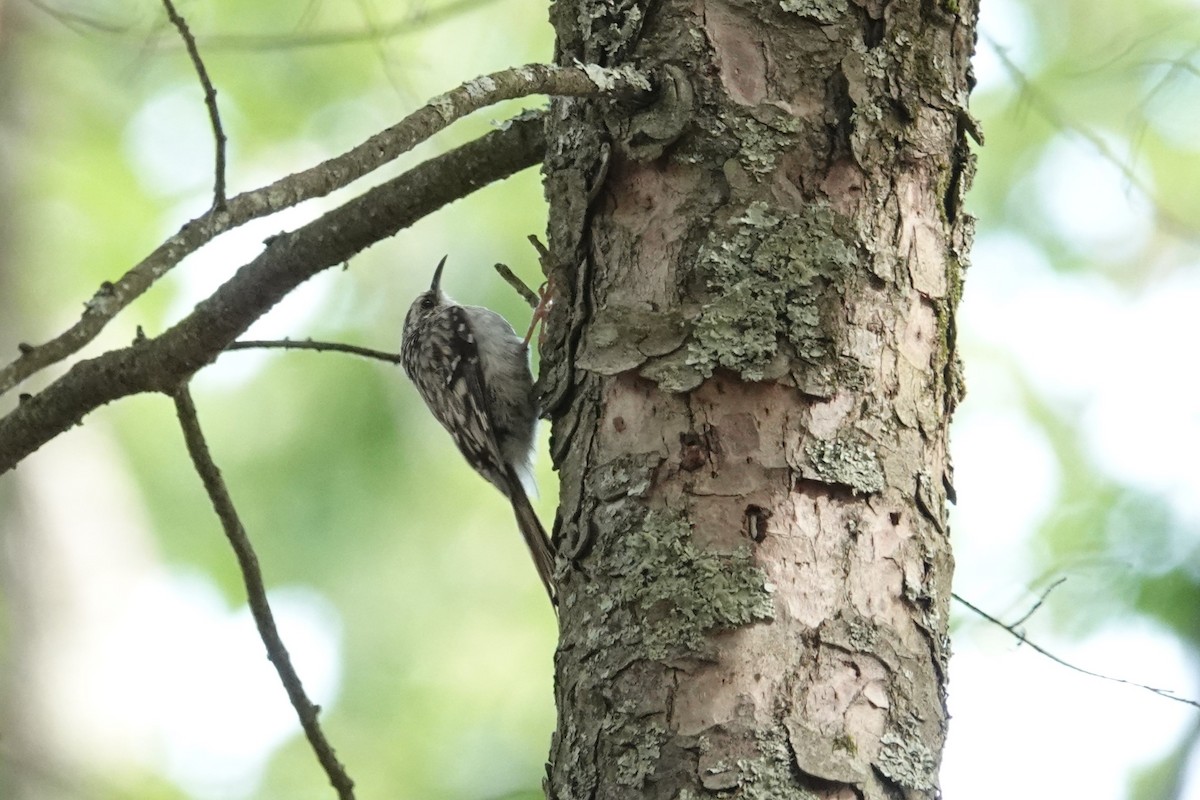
(535, 538)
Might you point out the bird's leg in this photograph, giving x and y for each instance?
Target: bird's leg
(541, 312)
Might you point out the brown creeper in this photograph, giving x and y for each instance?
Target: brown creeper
(472, 370)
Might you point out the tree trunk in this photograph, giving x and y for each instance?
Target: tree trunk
(751, 371)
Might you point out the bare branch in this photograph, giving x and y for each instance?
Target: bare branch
(518, 285)
(543, 252)
(414, 21)
(162, 363)
(1020, 637)
(256, 592)
(319, 181)
(210, 100)
(309, 344)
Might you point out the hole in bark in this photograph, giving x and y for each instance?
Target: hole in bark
(619, 424)
(894, 517)
(873, 32)
(837, 97)
(756, 523)
(902, 112)
(692, 453)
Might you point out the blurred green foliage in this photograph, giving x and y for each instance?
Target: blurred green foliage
(1119, 86)
(343, 481)
(1115, 88)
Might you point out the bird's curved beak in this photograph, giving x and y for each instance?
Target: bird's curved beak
(437, 276)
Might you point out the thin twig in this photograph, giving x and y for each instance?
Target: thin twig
(159, 364)
(1033, 609)
(256, 592)
(542, 251)
(318, 181)
(210, 100)
(518, 285)
(1020, 636)
(309, 344)
(79, 21)
(411, 23)
(367, 11)
(1043, 105)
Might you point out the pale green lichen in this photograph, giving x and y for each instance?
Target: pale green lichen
(445, 107)
(752, 137)
(640, 753)
(824, 11)
(624, 476)
(483, 86)
(770, 776)
(758, 215)
(610, 27)
(761, 141)
(905, 760)
(825, 756)
(674, 372)
(607, 79)
(767, 273)
(847, 463)
(678, 592)
(861, 635)
(739, 328)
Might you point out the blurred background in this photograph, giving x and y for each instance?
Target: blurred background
(129, 666)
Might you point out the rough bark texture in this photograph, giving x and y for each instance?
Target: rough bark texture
(751, 372)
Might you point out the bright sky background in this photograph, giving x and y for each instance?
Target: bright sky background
(1022, 725)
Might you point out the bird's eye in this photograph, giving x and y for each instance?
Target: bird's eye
(427, 302)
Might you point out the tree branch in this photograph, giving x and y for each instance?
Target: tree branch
(256, 592)
(1020, 637)
(518, 285)
(1033, 609)
(309, 344)
(319, 181)
(412, 22)
(210, 100)
(162, 363)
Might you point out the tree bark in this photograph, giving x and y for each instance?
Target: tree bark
(751, 371)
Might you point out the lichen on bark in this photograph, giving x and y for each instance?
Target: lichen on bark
(755, 368)
(769, 274)
(668, 595)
